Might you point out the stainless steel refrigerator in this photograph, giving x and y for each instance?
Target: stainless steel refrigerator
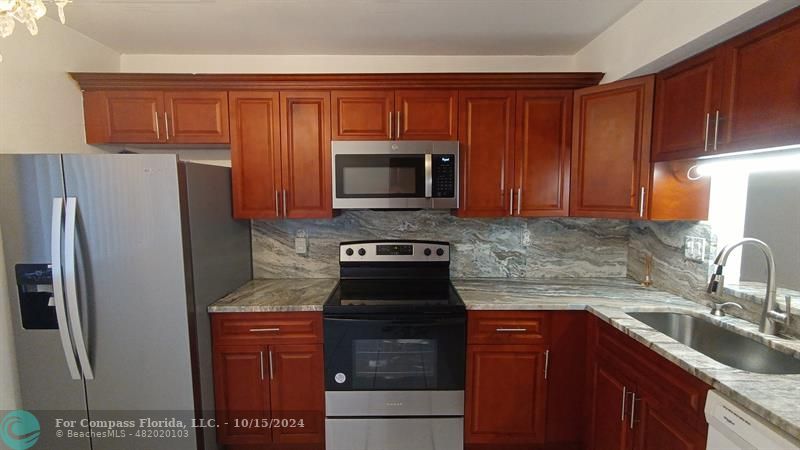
(111, 262)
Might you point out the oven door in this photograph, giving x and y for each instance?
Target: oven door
(380, 181)
(398, 353)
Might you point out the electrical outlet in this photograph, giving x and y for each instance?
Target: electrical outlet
(301, 242)
(695, 248)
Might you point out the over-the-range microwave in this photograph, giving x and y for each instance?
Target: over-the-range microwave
(395, 174)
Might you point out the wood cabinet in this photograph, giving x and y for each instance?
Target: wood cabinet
(525, 379)
(306, 154)
(515, 153)
(280, 154)
(611, 149)
(741, 95)
(427, 114)
(123, 117)
(241, 394)
(639, 400)
(761, 95)
(542, 153)
(408, 114)
(486, 137)
(156, 117)
(506, 394)
(255, 154)
(688, 97)
(362, 115)
(196, 117)
(277, 374)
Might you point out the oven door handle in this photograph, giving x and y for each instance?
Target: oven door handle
(422, 322)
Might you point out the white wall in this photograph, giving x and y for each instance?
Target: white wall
(41, 111)
(342, 63)
(658, 33)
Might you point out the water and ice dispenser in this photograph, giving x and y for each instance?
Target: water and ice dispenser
(36, 302)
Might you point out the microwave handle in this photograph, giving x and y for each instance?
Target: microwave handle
(428, 175)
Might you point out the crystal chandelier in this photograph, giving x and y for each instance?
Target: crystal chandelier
(26, 12)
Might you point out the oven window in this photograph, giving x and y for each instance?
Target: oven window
(376, 176)
(394, 364)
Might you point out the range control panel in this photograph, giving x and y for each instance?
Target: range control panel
(387, 251)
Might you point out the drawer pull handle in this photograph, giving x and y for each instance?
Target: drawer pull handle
(511, 330)
(264, 330)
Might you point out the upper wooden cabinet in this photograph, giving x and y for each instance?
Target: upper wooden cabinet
(306, 154)
(611, 149)
(407, 114)
(515, 150)
(487, 143)
(761, 99)
(124, 117)
(256, 154)
(430, 114)
(156, 117)
(542, 153)
(196, 117)
(688, 97)
(362, 115)
(280, 154)
(741, 95)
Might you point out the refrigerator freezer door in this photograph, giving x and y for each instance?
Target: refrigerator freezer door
(28, 185)
(132, 291)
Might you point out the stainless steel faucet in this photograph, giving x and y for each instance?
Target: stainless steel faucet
(770, 314)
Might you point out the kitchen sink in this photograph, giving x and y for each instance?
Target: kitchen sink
(720, 344)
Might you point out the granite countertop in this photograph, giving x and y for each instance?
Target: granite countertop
(293, 294)
(772, 397)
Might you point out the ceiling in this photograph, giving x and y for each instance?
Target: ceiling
(346, 27)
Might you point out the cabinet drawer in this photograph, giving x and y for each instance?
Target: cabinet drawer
(508, 327)
(267, 328)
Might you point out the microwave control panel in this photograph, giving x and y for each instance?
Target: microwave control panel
(444, 176)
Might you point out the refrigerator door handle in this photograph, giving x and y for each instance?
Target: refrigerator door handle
(58, 288)
(70, 278)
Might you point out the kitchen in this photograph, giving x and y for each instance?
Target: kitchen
(350, 234)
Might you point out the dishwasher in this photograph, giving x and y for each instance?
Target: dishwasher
(731, 427)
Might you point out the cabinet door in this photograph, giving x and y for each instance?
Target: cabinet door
(362, 115)
(660, 428)
(124, 117)
(487, 141)
(762, 87)
(241, 391)
(197, 117)
(609, 411)
(542, 154)
(676, 195)
(506, 394)
(306, 154)
(298, 392)
(255, 154)
(426, 114)
(687, 98)
(611, 149)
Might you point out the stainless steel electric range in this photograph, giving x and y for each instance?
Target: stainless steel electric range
(395, 345)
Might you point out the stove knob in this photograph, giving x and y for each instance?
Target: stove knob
(349, 252)
(362, 252)
(439, 252)
(427, 252)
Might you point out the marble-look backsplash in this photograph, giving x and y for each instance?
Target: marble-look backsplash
(505, 248)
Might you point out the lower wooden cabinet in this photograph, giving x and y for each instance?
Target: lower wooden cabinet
(267, 381)
(525, 379)
(639, 400)
(506, 394)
